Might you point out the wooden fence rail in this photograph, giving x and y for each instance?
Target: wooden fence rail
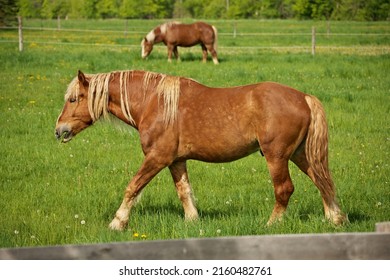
(342, 246)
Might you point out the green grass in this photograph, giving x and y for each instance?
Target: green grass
(54, 193)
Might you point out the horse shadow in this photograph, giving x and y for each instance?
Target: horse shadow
(184, 57)
(172, 209)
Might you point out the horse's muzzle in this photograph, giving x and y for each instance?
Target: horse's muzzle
(63, 133)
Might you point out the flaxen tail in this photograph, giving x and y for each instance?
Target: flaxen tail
(317, 148)
(215, 44)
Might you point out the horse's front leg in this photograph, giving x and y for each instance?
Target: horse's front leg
(184, 190)
(170, 50)
(176, 53)
(148, 170)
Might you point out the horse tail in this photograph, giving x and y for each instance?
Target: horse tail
(215, 44)
(316, 148)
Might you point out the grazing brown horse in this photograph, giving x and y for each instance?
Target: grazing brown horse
(180, 119)
(175, 34)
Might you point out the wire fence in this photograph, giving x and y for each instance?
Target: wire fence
(372, 43)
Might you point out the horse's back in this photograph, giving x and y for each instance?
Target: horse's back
(264, 95)
(191, 34)
(254, 103)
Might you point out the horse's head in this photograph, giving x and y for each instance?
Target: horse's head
(147, 47)
(75, 115)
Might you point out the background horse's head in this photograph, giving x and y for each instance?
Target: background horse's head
(75, 115)
(147, 47)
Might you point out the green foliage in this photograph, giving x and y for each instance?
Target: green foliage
(107, 8)
(8, 10)
(54, 193)
(29, 8)
(216, 9)
(315, 9)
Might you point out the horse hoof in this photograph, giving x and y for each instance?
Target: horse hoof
(117, 225)
(191, 218)
(340, 220)
(274, 220)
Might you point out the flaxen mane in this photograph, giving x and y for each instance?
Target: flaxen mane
(151, 36)
(166, 87)
(124, 77)
(97, 94)
(165, 26)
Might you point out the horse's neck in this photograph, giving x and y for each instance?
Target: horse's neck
(158, 35)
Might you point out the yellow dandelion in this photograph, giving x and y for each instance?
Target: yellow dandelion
(136, 235)
(143, 236)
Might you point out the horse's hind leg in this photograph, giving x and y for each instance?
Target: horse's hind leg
(204, 53)
(184, 191)
(331, 207)
(283, 187)
(213, 53)
(176, 53)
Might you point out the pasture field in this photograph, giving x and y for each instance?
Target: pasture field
(52, 193)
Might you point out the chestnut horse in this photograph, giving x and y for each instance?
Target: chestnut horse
(180, 119)
(175, 34)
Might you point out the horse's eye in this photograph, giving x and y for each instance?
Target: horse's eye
(72, 99)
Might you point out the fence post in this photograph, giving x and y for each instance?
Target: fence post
(313, 40)
(58, 22)
(20, 29)
(382, 227)
(126, 27)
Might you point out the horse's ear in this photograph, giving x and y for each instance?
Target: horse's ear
(82, 78)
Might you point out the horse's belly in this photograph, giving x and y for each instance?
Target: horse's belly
(215, 150)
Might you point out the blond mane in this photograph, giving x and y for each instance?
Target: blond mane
(97, 93)
(165, 26)
(165, 86)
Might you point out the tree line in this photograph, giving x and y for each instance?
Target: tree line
(363, 10)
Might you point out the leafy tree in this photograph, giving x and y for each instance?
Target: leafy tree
(194, 7)
(29, 8)
(164, 8)
(8, 11)
(250, 8)
(301, 9)
(128, 9)
(321, 9)
(215, 9)
(47, 9)
(179, 10)
(314, 9)
(377, 10)
(107, 8)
